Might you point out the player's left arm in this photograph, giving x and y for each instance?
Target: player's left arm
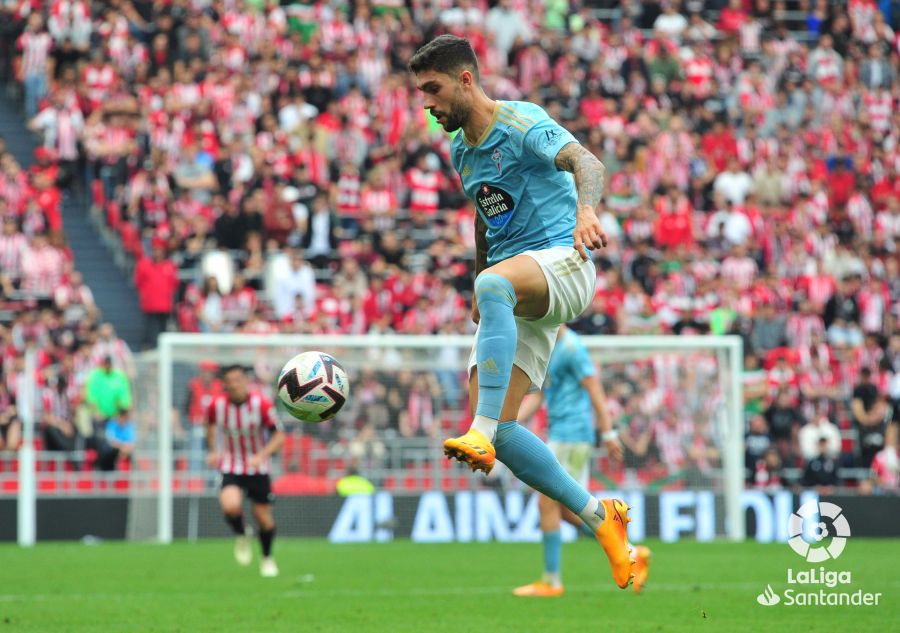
(276, 441)
(586, 373)
(530, 405)
(590, 175)
(608, 435)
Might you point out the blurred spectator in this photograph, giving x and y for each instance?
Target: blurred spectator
(813, 433)
(756, 443)
(320, 239)
(352, 483)
(886, 463)
(10, 427)
(351, 279)
(821, 470)
(734, 184)
(118, 440)
(57, 428)
(35, 45)
(784, 419)
(870, 412)
(420, 416)
(769, 329)
(295, 280)
(156, 280)
(211, 311)
(13, 246)
(43, 265)
(507, 26)
(75, 299)
(768, 473)
(107, 391)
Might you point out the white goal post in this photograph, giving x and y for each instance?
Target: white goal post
(430, 353)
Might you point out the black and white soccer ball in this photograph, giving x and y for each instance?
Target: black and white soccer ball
(313, 386)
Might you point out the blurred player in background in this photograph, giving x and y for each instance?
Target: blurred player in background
(534, 223)
(237, 423)
(572, 389)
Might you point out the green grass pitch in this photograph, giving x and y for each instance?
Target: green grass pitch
(403, 587)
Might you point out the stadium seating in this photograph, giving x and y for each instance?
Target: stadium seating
(727, 140)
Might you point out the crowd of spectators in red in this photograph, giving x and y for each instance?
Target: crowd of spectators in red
(278, 156)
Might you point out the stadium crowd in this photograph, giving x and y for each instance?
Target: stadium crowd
(268, 167)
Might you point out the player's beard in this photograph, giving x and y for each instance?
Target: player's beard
(456, 115)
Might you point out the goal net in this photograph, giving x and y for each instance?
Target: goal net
(677, 402)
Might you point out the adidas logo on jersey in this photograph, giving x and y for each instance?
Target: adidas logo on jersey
(488, 366)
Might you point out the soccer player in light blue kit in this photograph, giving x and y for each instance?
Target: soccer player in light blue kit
(536, 191)
(576, 406)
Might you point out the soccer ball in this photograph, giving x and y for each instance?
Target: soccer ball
(313, 386)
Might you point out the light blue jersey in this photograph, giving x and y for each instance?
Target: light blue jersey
(569, 412)
(526, 202)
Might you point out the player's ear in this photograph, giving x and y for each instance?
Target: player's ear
(466, 78)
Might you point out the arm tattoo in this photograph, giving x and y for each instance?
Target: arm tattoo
(589, 173)
(481, 244)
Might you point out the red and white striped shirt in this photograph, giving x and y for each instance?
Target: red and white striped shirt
(378, 201)
(12, 249)
(241, 430)
(879, 106)
(35, 49)
(699, 73)
(42, 270)
(424, 190)
(739, 271)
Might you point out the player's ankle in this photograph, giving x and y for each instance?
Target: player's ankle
(486, 426)
(593, 514)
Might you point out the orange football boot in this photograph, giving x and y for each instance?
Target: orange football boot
(539, 589)
(641, 567)
(472, 448)
(613, 536)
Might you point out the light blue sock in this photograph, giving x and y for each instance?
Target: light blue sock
(531, 461)
(552, 552)
(496, 344)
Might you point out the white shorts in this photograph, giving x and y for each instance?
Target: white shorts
(571, 281)
(575, 457)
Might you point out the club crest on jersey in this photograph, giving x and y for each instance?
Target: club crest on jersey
(497, 157)
(495, 205)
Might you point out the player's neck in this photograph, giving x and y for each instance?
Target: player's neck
(479, 118)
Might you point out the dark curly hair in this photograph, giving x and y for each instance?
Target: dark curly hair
(445, 54)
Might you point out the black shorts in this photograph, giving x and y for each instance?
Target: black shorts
(258, 488)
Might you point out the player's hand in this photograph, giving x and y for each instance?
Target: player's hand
(212, 460)
(588, 233)
(614, 449)
(256, 461)
(476, 315)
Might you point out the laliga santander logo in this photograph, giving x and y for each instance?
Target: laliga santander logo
(818, 532)
(813, 523)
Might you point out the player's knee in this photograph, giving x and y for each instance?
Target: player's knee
(494, 288)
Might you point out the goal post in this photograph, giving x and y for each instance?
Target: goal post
(698, 378)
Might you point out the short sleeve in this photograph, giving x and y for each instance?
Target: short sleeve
(545, 138)
(270, 416)
(582, 365)
(210, 417)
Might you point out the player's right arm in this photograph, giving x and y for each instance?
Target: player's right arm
(481, 250)
(589, 175)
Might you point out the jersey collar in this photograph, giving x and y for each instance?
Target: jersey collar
(487, 130)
